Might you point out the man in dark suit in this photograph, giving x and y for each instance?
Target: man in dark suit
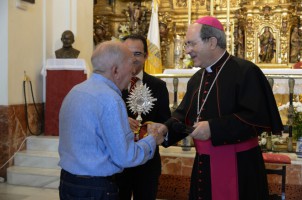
(141, 182)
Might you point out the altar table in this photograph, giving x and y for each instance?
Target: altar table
(280, 77)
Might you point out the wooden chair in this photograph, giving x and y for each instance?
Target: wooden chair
(283, 160)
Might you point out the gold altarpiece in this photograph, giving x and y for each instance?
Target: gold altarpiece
(279, 17)
(245, 23)
(266, 32)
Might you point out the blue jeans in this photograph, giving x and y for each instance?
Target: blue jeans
(74, 187)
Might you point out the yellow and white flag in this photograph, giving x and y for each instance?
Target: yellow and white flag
(153, 64)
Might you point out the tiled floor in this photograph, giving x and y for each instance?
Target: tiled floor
(12, 192)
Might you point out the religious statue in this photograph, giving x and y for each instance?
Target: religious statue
(267, 46)
(240, 44)
(284, 25)
(67, 51)
(101, 30)
(266, 11)
(163, 30)
(99, 34)
(295, 48)
(249, 24)
(136, 15)
(178, 51)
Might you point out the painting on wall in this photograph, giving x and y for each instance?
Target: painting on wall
(30, 1)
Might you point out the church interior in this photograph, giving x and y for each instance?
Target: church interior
(265, 32)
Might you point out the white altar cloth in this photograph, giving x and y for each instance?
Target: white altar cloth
(182, 82)
(62, 64)
(65, 64)
(280, 81)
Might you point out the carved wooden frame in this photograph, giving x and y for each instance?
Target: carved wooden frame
(29, 1)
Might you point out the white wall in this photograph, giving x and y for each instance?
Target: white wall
(25, 49)
(3, 52)
(84, 37)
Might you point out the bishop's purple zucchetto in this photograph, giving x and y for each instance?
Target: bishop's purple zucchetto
(210, 21)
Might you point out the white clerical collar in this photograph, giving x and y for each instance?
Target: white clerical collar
(209, 68)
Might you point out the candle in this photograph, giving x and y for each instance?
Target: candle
(228, 16)
(212, 7)
(228, 23)
(189, 11)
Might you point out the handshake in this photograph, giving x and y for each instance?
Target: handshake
(158, 131)
(200, 130)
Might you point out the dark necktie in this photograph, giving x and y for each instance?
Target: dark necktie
(133, 83)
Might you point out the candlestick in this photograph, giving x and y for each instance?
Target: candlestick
(212, 7)
(291, 85)
(189, 11)
(228, 21)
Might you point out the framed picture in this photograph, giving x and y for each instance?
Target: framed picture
(30, 1)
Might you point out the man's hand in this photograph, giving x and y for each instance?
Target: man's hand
(202, 131)
(158, 131)
(134, 124)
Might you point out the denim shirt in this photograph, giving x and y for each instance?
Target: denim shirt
(94, 133)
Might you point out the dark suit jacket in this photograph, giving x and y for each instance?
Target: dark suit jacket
(159, 113)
